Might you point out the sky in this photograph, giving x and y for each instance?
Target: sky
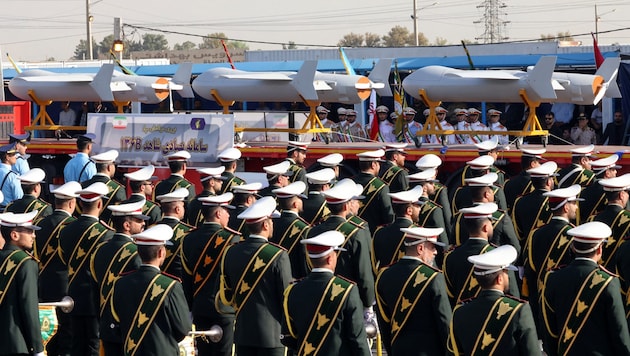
(35, 30)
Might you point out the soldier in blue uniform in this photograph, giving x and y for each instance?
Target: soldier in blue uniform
(31, 183)
(211, 182)
(229, 160)
(9, 184)
(579, 171)
(141, 185)
(80, 168)
(21, 144)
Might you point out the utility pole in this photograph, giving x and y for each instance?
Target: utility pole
(494, 25)
(88, 24)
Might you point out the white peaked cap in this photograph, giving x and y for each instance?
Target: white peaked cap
(33, 176)
(281, 168)
(331, 160)
(423, 176)
(601, 165)
(20, 220)
(485, 180)
(343, 191)
(481, 162)
(495, 260)
(249, 188)
(129, 209)
(371, 155)
(428, 161)
(105, 157)
(229, 154)
(478, 211)
(142, 174)
(547, 169)
(294, 189)
(416, 235)
(324, 243)
(593, 232)
(583, 151)
(93, 192)
(158, 234)
(178, 156)
(179, 194)
(488, 145)
(322, 176)
(214, 172)
(559, 197)
(407, 196)
(262, 209)
(616, 184)
(218, 200)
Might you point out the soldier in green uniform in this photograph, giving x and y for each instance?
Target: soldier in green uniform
(174, 211)
(290, 228)
(440, 195)
(376, 208)
(548, 246)
(478, 167)
(19, 315)
(296, 155)
(177, 164)
(229, 160)
(431, 214)
(493, 323)
(594, 196)
(53, 275)
(105, 170)
(264, 268)
(77, 241)
(411, 298)
(521, 183)
(278, 176)
(332, 161)
(387, 242)
(31, 186)
(211, 182)
(245, 195)
(314, 207)
(581, 303)
(147, 293)
(393, 171)
(579, 171)
(333, 301)
(141, 185)
(201, 251)
(484, 148)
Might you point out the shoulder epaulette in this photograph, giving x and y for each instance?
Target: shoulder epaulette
(171, 276)
(126, 273)
(296, 281)
(232, 231)
(559, 267)
(117, 182)
(32, 256)
(515, 298)
(493, 245)
(304, 221)
(276, 245)
(187, 225)
(107, 226)
(346, 279)
(355, 224)
(607, 271)
(466, 301)
(433, 268)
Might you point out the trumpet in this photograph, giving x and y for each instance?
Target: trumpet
(215, 333)
(66, 304)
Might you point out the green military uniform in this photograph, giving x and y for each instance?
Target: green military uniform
(53, 275)
(268, 191)
(574, 174)
(299, 173)
(622, 268)
(529, 212)
(463, 199)
(431, 216)
(425, 321)
(117, 193)
(77, 241)
(342, 332)
(195, 218)
(517, 186)
(440, 197)
(173, 264)
(466, 172)
(201, 252)
(174, 181)
(230, 180)
(618, 219)
(28, 203)
(353, 264)
(395, 177)
(476, 331)
(150, 208)
(376, 208)
(19, 317)
(259, 307)
(503, 231)
(387, 244)
(168, 320)
(591, 296)
(237, 224)
(314, 208)
(288, 230)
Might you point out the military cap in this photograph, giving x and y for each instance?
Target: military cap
(440, 110)
(486, 180)
(322, 109)
(156, 235)
(262, 209)
(179, 194)
(341, 111)
(428, 161)
(229, 154)
(601, 165)
(23, 138)
(410, 196)
(481, 162)
(547, 169)
(582, 116)
(461, 111)
(351, 112)
(488, 145)
(426, 112)
(493, 112)
(291, 190)
(409, 111)
(428, 175)
(178, 156)
(616, 184)
(129, 209)
(322, 176)
(90, 137)
(533, 152)
(594, 232)
(142, 174)
(105, 157)
(324, 243)
(8, 149)
(559, 197)
(297, 145)
(24, 220)
(278, 169)
(331, 160)
(218, 200)
(214, 172)
(343, 191)
(33, 176)
(473, 111)
(250, 188)
(417, 235)
(393, 115)
(371, 155)
(68, 190)
(494, 261)
(93, 192)
(397, 147)
(586, 151)
(382, 108)
(479, 211)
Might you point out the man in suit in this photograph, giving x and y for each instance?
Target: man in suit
(177, 164)
(582, 308)
(229, 160)
(333, 301)
(141, 185)
(376, 208)
(211, 181)
(494, 322)
(31, 183)
(105, 170)
(80, 167)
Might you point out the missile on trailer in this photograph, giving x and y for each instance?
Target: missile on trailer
(587, 89)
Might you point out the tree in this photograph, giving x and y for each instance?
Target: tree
(372, 39)
(440, 41)
(237, 45)
(290, 45)
(81, 50)
(185, 46)
(398, 36)
(213, 40)
(106, 44)
(422, 40)
(561, 36)
(152, 42)
(351, 40)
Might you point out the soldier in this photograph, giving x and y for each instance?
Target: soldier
(387, 241)
(478, 167)
(332, 161)
(141, 185)
(278, 176)
(18, 298)
(21, 144)
(440, 196)
(494, 124)
(393, 171)
(353, 129)
(77, 241)
(177, 164)
(333, 301)
(548, 246)
(581, 303)
(244, 196)
(259, 307)
(410, 127)
(338, 128)
(485, 148)
(31, 183)
(445, 125)
(532, 210)
(147, 293)
(105, 170)
(229, 159)
(174, 211)
(296, 154)
(10, 186)
(458, 272)
(411, 297)
(322, 115)
(212, 182)
(431, 214)
(594, 195)
(377, 205)
(473, 124)
(494, 322)
(53, 275)
(290, 228)
(80, 167)
(207, 243)
(314, 208)
(521, 184)
(385, 127)
(579, 171)
(460, 115)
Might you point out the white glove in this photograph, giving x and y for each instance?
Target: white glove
(39, 354)
(369, 316)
